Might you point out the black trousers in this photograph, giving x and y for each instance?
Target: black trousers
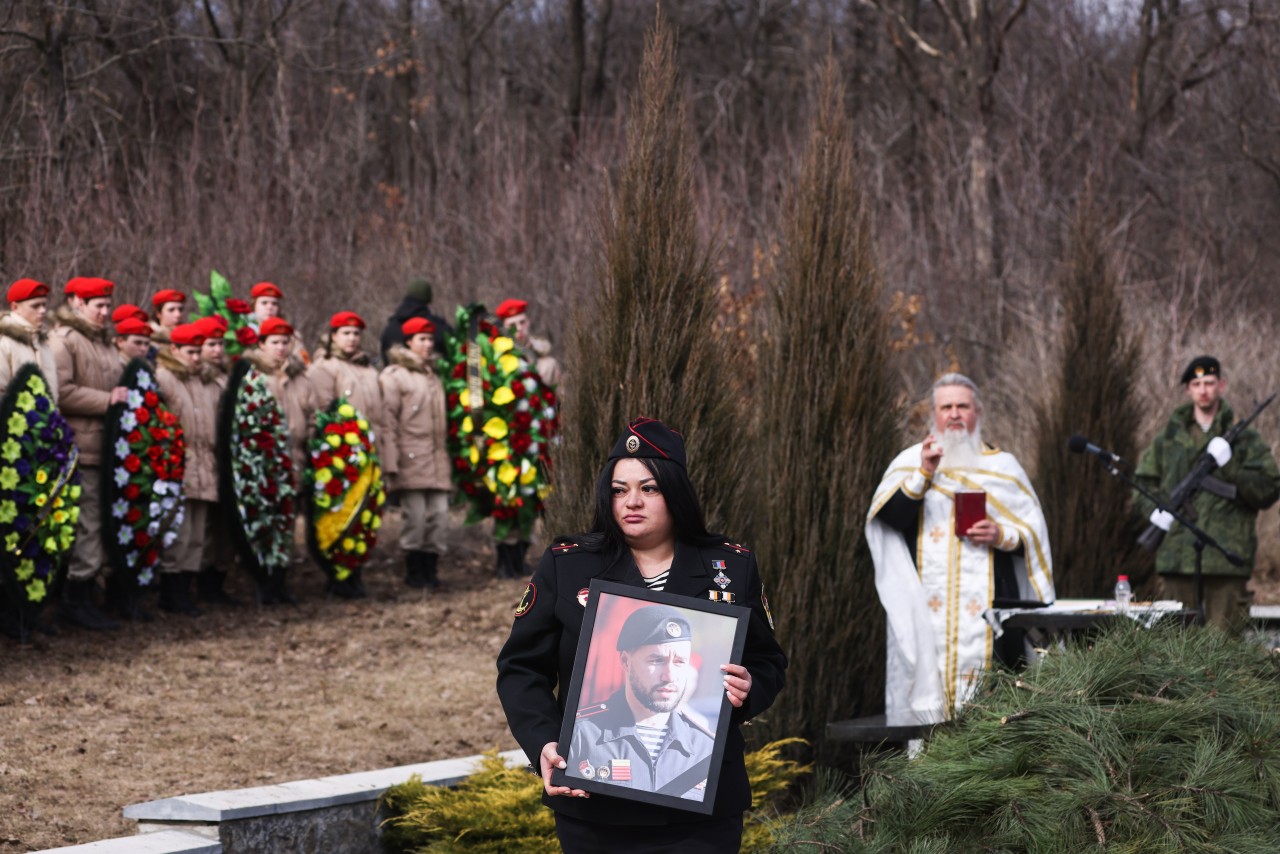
(707, 836)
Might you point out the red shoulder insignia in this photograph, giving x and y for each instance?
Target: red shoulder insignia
(564, 548)
(737, 548)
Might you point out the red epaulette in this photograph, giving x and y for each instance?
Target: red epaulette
(564, 548)
(737, 548)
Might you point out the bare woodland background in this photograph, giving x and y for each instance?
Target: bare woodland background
(339, 147)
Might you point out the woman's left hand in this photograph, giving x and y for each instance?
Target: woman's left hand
(737, 684)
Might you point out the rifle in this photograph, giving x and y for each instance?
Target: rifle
(1201, 478)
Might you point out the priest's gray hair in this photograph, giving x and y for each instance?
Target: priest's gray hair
(954, 379)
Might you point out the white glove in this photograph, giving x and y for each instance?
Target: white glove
(1162, 519)
(1220, 449)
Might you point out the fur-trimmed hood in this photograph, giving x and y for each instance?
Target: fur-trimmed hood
(328, 350)
(407, 359)
(205, 372)
(65, 315)
(293, 366)
(17, 328)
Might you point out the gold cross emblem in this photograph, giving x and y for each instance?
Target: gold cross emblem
(937, 533)
(935, 603)
(974, 607)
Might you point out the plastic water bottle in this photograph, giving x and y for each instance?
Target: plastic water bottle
(1123, 594)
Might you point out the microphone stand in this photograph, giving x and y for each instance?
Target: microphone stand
(1202, 538)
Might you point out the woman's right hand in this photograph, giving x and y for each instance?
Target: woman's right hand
(549, 760)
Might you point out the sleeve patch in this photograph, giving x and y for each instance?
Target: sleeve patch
(526, 601)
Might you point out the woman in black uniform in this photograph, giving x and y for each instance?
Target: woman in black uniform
(648, 531)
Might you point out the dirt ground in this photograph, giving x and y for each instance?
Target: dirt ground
(252, 696)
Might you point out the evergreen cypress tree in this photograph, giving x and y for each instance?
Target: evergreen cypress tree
(829, 428)
(1091, 531)
(647, 346)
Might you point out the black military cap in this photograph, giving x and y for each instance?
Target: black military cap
(653, 624)
(648, 437)
(1201, 366)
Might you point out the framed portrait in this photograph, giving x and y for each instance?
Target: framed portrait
(646, 716)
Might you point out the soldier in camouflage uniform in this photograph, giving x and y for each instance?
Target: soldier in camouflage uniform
(1227, 506)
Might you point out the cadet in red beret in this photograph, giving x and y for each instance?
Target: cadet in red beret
(192, 388)
(133, 337)
(126, 310)
(514, 317)
(265, 298)
(88, 373)
(413, 450)
(274, 326)
(22, 335)
(343, 370)
(167, 312)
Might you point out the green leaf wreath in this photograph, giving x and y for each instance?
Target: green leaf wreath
(219, 301)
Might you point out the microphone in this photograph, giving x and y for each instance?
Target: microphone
(1078, 444)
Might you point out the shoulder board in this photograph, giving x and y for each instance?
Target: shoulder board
(736, 548)
(588, 711)
(565, 548)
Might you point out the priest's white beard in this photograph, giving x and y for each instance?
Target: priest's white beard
(961, 449)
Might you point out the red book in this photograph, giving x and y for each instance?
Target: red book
(971, 508)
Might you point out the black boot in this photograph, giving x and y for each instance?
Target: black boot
(429, 561)
(175, 594)
(280, 585)
(124, 599)
(505, 561)
(78, 609)
(348, 588)
(210, 586)
(518, 564)
(264, 592)
(12, 624)
(414, 572)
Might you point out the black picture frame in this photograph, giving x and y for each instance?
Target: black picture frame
(608, 757)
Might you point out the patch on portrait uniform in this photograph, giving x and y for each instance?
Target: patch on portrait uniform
(764, 600)
(526, 601)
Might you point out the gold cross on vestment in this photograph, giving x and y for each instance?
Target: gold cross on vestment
(974, 607)
(937, 533)
(935, 603)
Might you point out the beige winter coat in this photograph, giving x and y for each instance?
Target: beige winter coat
(194, 394)
(334, 376)
(298, 399)
(413, 447)
(20, 343)
(547, 366)
(88, 368)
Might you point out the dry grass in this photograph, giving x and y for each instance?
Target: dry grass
(250, 697)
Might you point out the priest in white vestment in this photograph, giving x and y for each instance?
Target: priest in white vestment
(935, 585)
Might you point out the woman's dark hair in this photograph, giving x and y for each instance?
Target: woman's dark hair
(677, 490)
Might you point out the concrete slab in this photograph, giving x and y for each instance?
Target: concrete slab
(301, 795)
(164, 842)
